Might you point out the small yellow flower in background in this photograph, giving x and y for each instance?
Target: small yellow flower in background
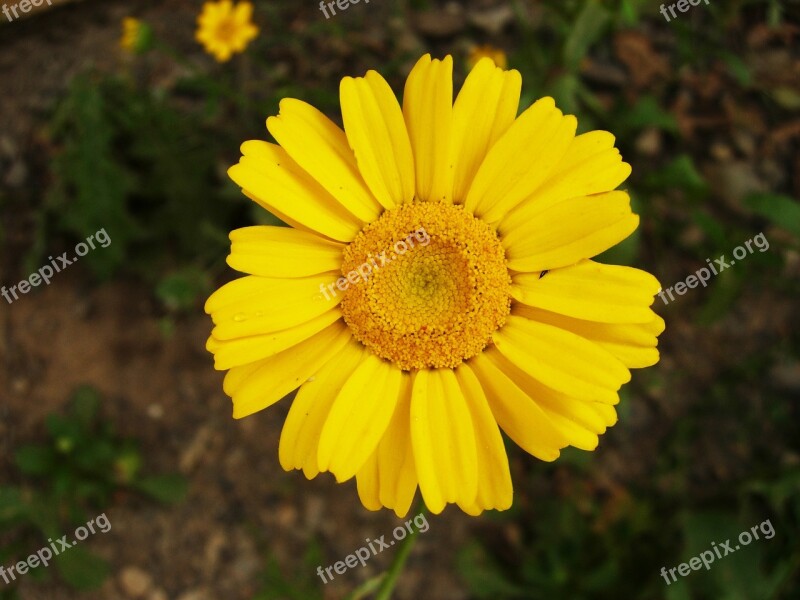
(136, 36)
(496, 319)
(224, 29)
(486, 51)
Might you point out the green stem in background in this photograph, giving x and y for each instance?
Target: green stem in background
(390, 580)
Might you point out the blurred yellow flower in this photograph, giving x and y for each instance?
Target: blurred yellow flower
(224, 29)
(487, 51)
(135, 35)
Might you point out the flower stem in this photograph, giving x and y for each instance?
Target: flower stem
(389, 581)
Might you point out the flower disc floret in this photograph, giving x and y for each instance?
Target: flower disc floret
(430, 306)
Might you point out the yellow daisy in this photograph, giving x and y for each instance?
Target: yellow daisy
(407, 374)
(224, 29)
(486, 51)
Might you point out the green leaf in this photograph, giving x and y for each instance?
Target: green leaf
(127, 465)
(738, 68)
(180, 290)
(164, 488)
(12, 505)
(680, 173)
(483, 577)
(587, 29)
(565, 92)
(61, 427)
(711, 227)
(628, 13)
(85, 405)
(723, 292)
(677, 590)
(647, 113)
(34, 460)
(368, 587)
(781, 210)
(81, 569)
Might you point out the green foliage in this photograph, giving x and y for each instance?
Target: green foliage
(91, 187)
(680, 173)
(73, 474)
(646, 112)
(178, 291)
(586, 547)
(782, 211)
(131, 162)
(301, 584)
(81, 569)
(587, 27)
(576, 547)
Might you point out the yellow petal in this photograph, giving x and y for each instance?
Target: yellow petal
(282, 252)
(570, 231)
(243, 12)
(592, 291)
(302, 429)
(573, 418)
(359, 417)
(485, 108)
(495, 490)
(562, 360)
(606, 412)
(373, 122)
(517, 414)
(633, 344)
(428, 112)
(591, 165)
(320, 148)
(255, 305)
(268, 176)
(520, 160)
(243, 350)
(368, 484)
(236, 376)
(396, 457)
(444, 440)
(389, 477)
(265, 382)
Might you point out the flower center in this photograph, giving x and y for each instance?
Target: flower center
(226, 30)
(437, 290)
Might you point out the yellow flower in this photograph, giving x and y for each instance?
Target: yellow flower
(501, 320)
(224, 29)
(136, 35)
(486, 51)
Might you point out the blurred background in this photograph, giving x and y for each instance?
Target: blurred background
(109, 403)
